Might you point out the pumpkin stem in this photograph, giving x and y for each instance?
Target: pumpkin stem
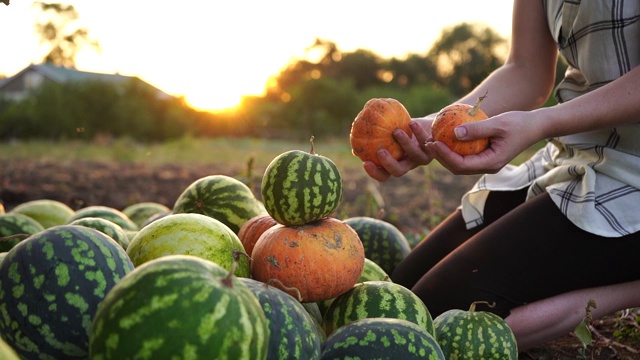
(312, 151)
(228, 280)
(472, 308)
(475, 107)
(299, 296)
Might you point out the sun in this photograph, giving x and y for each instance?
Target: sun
(213, 100)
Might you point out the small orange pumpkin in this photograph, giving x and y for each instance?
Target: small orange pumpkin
(251, 230)
(454, 115)
(373, 128)
(321, 259)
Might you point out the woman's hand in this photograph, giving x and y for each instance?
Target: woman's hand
(509, 134)
(415, 153)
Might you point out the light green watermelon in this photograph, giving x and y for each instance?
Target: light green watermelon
(45, 211)
(189, 234)
(140, 212)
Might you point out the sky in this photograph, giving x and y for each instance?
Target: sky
(214, 52)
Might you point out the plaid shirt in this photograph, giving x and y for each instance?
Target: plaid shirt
(593, 177)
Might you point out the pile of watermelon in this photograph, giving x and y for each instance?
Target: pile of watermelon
(223, 274)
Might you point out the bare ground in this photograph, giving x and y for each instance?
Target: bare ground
(414, 204)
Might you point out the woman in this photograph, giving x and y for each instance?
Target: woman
(542, 239)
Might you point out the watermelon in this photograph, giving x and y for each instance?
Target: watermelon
(189, 234)
(51, 285)
(12, 226)
(293, 332)
(179, 307)
(3, 255)
(474, 335)
(381, 338)
(375, 299)
(221, 197)
(105, 212)
(113, 230)
(139, 213)
(300, 187)
(45, 211)
(383, 243)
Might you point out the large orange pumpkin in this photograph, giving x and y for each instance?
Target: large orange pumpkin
(252, 229)
(373, 128)
(321, 259)
(452, 116)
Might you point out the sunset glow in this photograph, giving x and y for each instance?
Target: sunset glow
(213, 53)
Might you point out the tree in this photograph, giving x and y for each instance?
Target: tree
(57, 28)
(465, 54)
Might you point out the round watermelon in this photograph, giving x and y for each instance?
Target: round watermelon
(15, 227)
(189, 234)
(293, 332)
(179, 307)
(139, 213)
(381, 338)
(51, 285)
(473, 335)
(45, 211)
(221, 197)
(377, 299)
(105, 212)
(383, 243)
(113, 230)
(301, 187)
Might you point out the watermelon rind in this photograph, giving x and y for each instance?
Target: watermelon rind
(105, 212)
(179, 307)
(51, 285)
(140, 212)
(113, 230)
(381, 338)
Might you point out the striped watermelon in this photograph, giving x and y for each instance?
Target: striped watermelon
(113, 230)
(12, 226)
(300, 187)
(375, 299)
(383, 243)
(51, 285)
(45, 211)
(189, 234)
(179, 307)
(139, 213)
(381, 338)
(293, 332)
(221, 197)
(105, 212)
(474, 335)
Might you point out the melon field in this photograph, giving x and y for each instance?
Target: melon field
(120, 173)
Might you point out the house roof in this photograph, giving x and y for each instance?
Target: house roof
(62, 74)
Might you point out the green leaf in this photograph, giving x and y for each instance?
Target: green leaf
(583, 333)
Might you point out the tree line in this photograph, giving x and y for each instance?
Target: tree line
(307, 97)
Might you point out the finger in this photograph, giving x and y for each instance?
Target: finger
(472, 131)
(375, 172)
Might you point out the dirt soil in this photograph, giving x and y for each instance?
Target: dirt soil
(414, 203)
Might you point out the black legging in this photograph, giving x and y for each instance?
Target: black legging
(524, 251)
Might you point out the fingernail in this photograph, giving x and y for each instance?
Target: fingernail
(460, 132)
(414, 125)
(382, 153)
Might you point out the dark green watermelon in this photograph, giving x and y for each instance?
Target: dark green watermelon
(179, 307)
(12, 226)
(113, 230)
(51, 285)
(105, 212)
(381, 338)
(383, 243)
(293, 332)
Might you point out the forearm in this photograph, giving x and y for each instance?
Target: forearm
(615, 104)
